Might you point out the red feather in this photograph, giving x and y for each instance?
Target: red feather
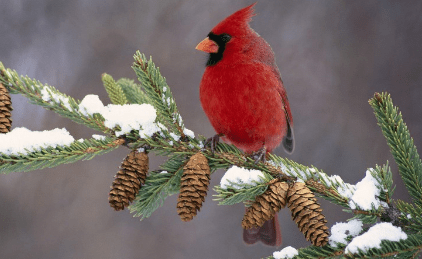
(243, 95)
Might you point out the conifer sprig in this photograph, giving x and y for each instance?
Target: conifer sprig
(402, 249)
(54, 156)
(159, 93)
(173, 141)
(49, 98)
(400, 142)
(133, 91)
(114, 90)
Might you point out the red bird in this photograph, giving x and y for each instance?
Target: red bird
(243, 96)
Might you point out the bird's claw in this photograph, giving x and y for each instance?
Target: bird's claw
(260, 155)
(213, 141)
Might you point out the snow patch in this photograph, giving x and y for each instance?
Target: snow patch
(236, 176)
(373, 237)
(340, 231)
(287, 252)
(23, 141)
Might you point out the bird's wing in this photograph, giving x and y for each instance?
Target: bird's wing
(288, 140)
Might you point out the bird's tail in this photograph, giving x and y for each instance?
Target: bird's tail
(269, 233)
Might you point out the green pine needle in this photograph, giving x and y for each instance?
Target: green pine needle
(401, 144)
(158, 92)
(133, 91)
(115, 92)
(53, 156)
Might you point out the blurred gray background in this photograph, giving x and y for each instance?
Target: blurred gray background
(333, 56)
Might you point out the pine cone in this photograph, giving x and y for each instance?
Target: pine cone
(193, 186)
(307, 214)
(128, 180)
(5, 109)
(266, 205)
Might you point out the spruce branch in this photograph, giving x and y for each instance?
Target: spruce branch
(159, 93)
(132, 91)
(114, 90)
(49, 98)
(401, 144)
(54, 156)
(173, 140)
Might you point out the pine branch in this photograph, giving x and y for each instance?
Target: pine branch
(401, 249)
(159, 93)
(401, 144)
(49, 98)
(232, 196)
(132, 91)
(53, 156)
(158, 186)
(175, 141)
(411, 215)
(115, 92)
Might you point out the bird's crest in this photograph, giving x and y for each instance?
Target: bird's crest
(237, 23)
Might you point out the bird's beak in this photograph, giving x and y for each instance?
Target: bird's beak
(208, 46)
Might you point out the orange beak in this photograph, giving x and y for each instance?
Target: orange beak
(208, 46)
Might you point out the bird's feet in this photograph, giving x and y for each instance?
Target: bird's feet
(213, 141)
(260, 155)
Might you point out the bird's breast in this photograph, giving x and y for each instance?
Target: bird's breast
(242, 102)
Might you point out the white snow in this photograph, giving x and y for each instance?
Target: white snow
(131, 117)
(373, 237)
(340, 231)
(366, 193)
(98, 137)
(346, 190)
(48, 96)
(174, 136)
(239, 175)
(189, 133)
(91, 104)
(287, 252)
(22, 140)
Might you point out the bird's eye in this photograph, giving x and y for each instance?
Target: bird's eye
(225, 37)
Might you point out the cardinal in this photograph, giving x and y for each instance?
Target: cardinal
(243, 96)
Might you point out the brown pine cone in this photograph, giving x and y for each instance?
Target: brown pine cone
(266, 205)
(5, 110)
(307, 214)
(193, 186)
(128, 180)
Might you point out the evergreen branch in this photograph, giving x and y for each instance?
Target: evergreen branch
(115, 92)
(173, 140)
(385, 180)
(132, 91)
(404, 248)
(158, 186)
(315, 252)
(401, 144)
(410, 215)
(232, 196)
(159, 93)
(49, 98)
(53, 156)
